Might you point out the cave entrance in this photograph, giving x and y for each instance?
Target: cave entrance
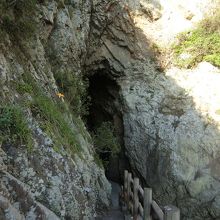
(105, 107)
(103, 92)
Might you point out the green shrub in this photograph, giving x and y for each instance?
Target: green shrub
(74, 87)
(201, 44)
(13, 125)
(105, 142)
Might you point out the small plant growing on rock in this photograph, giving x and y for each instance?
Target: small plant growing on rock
(13, 125)
(44, 108)
(51, 115)
(105, 142)
(74, 88)
(24, 88)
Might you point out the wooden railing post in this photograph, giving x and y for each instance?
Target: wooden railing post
(171, 213)
(129, 190)
(151, 209)
(136, 198)
(147, 203)
(126, 186)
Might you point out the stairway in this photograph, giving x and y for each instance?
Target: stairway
(115, 212)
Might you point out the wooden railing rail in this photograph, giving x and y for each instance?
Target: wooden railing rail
(140, 203)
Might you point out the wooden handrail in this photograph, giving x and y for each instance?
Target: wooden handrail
(157, 210)
(132, 191)
(141, 191)
(141, 209)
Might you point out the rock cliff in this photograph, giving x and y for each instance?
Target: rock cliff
(167, 119)
(54, 176)
(170, 117)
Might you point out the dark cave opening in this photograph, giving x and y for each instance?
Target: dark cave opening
(103, 92)
(105, 107)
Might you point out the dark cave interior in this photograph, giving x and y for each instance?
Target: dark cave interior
(105, 106)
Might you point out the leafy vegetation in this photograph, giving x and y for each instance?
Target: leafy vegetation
(51, 115)
(74, 88)
(24, 88)
(105, 142)
(13, 125)
(17, 18)
(201, 44)
(53, 120)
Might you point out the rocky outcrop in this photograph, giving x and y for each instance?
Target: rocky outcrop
(171, 133)
(172, 139)
(70, 187)
(47, 180)
(16, 201)
(171, 121)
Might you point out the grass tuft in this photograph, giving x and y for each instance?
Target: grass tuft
(53, 120)
(74, 88)
(201, 44)
(23, 88)
(14, 126)
(51, 116)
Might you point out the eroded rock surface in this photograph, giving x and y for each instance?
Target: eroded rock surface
(171, 119)
(172, 140)
(47, 181)
(170, 122)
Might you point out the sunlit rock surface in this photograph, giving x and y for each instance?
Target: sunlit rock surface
(172, 137)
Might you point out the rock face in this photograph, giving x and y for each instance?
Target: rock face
(169, 121)
(172, 139)
(171, 133)
(171, 118)
(46, 181)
